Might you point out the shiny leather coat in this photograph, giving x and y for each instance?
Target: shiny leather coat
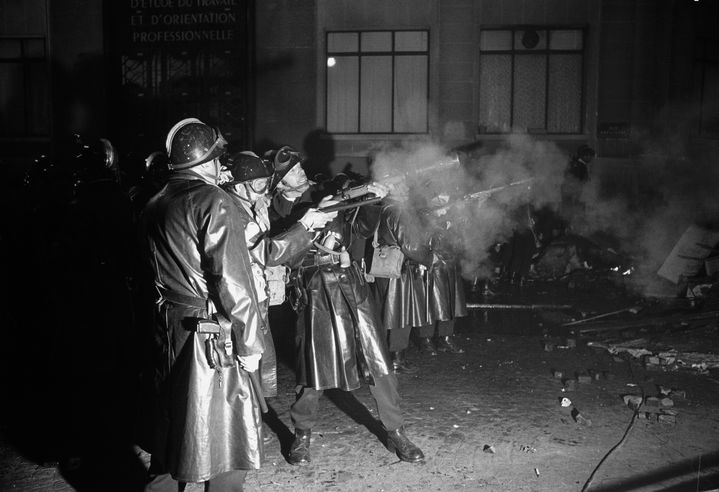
(340, 337)
(403, 300)
(445, 291)
(208, 420)
(283, 248)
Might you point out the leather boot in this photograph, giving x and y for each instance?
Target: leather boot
(426, 346)
(267, 435)
(400, 364)
(447, 344)
(399, 443)
(300, 449)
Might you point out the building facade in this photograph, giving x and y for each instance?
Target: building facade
(344, 76)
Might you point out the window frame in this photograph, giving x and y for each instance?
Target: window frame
(26, 61)
(393, 55)
(703, 60)
(513, 52)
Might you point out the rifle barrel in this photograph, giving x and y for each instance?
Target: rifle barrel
(345, 205)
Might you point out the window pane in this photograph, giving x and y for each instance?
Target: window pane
(342, 42)
(529, 92)
(495, 74)
(565, 93)
(530, 39)
(376, 41)
(565, 40)
(10, 48)
(34, 48)
(410, 94)
(38, 99)
(12, 117)
(411, 41)
(376, 93)
(495, 40)
(343, 94)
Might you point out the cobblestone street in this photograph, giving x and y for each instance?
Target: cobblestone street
(502, 393)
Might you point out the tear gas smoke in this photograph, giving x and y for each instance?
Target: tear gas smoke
(473, 227)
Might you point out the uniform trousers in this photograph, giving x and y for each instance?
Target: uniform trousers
(304, 410)
(439, 328)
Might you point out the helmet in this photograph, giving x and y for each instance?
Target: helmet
(156, 164)
(283, 159)
(246, 166)
(585, 152)
(191, 143)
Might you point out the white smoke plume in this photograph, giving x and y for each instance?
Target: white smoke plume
(475, 225)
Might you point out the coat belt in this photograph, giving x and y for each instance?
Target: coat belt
(174, 297)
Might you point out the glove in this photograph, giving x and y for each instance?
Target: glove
(250, 363)
(380, 190)
(315, 219)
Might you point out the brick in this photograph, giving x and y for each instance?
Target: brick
(678, 394)
(667, 419)
(667, 402)
(651, 401)
(558, 374)
(584, 379)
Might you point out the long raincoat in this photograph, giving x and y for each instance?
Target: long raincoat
(208, 419)
(340, 338)
(403, 300)
(445, 289)
(268, 251)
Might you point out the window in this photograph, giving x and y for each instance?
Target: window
(531, 80)
(708, 82)
(377, 82)
(24, 87)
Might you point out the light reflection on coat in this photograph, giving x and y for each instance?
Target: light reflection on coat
(208, 421)
(267, 251)
(445, 290)
(403, 300)
(340, 337)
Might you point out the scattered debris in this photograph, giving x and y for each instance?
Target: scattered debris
(579, 418)
(632, 401)
(527, 449)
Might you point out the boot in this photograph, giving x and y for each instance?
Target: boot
(447, 344)
(426, 346)
(400, 364)
(267, 435)
(398, 442)
(300, 449)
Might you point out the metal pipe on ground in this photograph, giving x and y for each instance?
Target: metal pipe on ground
(475, 305)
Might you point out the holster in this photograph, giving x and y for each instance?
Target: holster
(218, 345)
(297, 293)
